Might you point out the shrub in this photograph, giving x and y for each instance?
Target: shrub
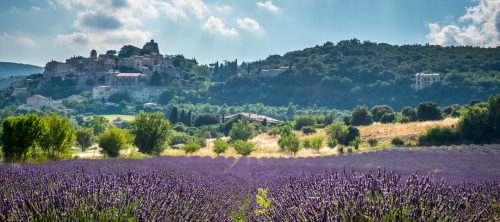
(308, 130)
(332, 143)
(314, 142)
(380, 110)
(151, 132)
(349, 150)
(340, 149)
(98, 123)
(191, 148)
(372, 142)
(303, 121)
(206, 119)
(439, 136)
(112, 141)
(58, 138)
(474, 124)
(356, 142)
(198, 140)
(179, 138)
(353, 132)
(244, 148)
(397, 141)
(273, 131)
(242, 130)
(220, 146)
(337, 131)
(361, 116)
(428, 111)
(19, 135)
(388, 118)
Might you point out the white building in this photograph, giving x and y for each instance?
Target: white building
(146, 94)
(39, 101)
(423, 80)
(271, 73)
(102, 92)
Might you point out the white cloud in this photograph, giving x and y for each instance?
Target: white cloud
(268, 5)
(249, 24)
(65, 3)
(107, 40)
(480, 26)
(215, 25)
(223, 8)
(181, 8)
(17, 40)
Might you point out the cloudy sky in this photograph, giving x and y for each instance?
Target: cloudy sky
(37, 31)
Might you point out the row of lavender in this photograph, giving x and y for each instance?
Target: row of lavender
(204, 189)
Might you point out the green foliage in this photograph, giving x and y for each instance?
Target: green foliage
(119, 97)
(112, 141)
(19, 134)
(308, 130)
(206, 119)
(409, 113)
(166, 96)
(428, 111)
(289, 142)
(397, 141)
(178, 138)
(191, 148)
(174, 116)
(242, 147)
(264, 203)
(340, 149)
(274, 131)
(361, 116)
(98, 123)
(332, 143)
(84, 137)
(474, 124)
(372, 142)
(388, 118)
(437, 136)
(494, 116)
(303, 121)
(356, 142)
(379, 111)
(58, 137)
(338, 131)
(242, 130)
(151, 132)
(314, 142)
(220, 146)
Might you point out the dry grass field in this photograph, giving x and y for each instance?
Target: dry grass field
(123, 117)
(267, 146)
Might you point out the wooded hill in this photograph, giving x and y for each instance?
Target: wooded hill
(352, 72)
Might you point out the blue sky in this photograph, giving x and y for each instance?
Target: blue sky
(37, 31)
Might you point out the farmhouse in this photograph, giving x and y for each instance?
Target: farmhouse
(256, 118)
(423, 80)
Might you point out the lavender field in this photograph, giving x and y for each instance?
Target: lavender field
(422, 184)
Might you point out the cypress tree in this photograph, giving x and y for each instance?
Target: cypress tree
(174, 118)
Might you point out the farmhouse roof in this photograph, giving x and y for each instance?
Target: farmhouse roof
(254, 117)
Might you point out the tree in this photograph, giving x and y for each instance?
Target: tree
(182, 118)
(361, 116)
(388, 118)
(242, 130)
(302, 121)
(428, 111)
(98, 123)
(206, 119)
(19, 134)
(356, 142)
(380, 110)
(474, 124)
(338, 131)
(156, 79)
(244, 148)
(84, 137)
(59, 136)
(315, 142)
(119, 97)
(494, 116)
(220, 146)
(409, 113)
(290, 143)
(174, 116)
(189, 120)
(166, 96)
(151, 132)
(112, 141)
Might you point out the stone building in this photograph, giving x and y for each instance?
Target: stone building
(423, 80)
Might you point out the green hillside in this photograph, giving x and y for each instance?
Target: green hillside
(352, 72)
(18, 69)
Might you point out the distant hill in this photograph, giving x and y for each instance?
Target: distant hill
(352, 72)
(18, 69)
